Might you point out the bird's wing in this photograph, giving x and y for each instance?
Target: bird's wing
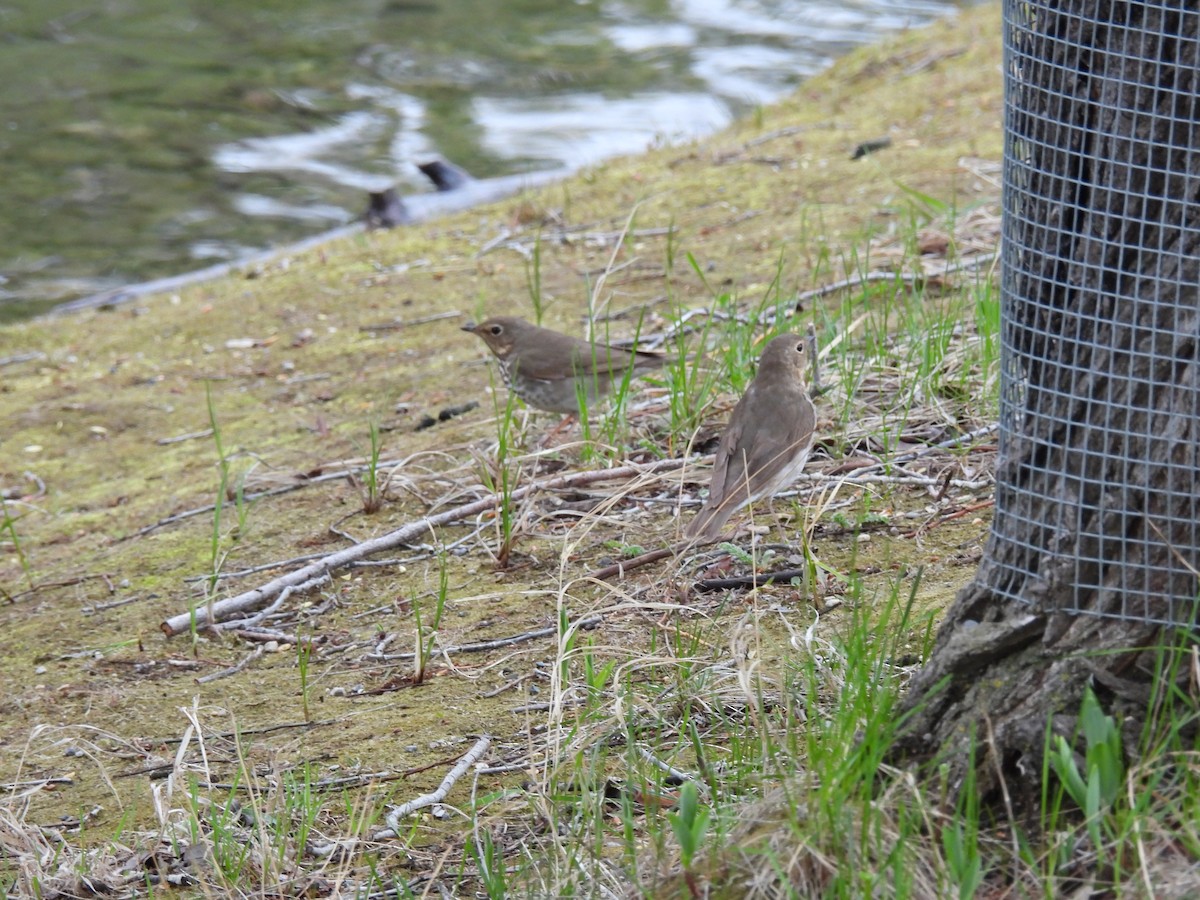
(727, 472)
(601, 359)
(728, 463)
(729, 468)
(554, 361)
(754, 448)
(781, 436)
(769, 439)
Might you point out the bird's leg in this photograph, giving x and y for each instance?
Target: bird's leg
(544, 440)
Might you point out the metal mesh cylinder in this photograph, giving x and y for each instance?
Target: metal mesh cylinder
(1098, 494)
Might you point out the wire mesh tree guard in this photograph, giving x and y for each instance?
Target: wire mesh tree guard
(1098, 494)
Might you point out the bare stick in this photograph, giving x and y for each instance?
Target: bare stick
(427, 551)
(960, 440)
(261, 616)
(100, 607)
(394, 817)
(669, 769)
(484, 646)
(297, 485)
(973, 262)
(265, 636)
(21, 357)
(934, 521)
(307, 576)
(254, 570)
(758, 579)
(41, 782)
(191, 435)
(232, 670)
(397, 324)
(67, 582)
(248, 498)
(636, 562)
(527, 765)
(813, 480)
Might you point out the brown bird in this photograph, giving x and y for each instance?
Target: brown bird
(768, 438)
(549, 370)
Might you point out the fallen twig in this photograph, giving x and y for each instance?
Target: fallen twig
(941, 519)
(312, 574)
(66, 582)
(777, 133)
(327, 784)
(427, 551)
(758, 579)
(524, 766)
(508, 686)
(232, 670)
(248, 498)
(973, 262)
(636, 562)
(39, 783)
(253, 570)
(180, 438)
(21, 357)
(100, 607)
(484, 646)
(398, 324)
(265, 636)
(814, 479)
(261, 615)
(960, 440)
(394, 817)
(300, 483)
(679, 776)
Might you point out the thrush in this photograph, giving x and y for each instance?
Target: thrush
(550, 370)
(767, 440)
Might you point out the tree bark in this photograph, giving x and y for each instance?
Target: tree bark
(1095, 545)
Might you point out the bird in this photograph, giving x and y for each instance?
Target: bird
(768, 438)
(550, 370)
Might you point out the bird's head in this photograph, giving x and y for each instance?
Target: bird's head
(499, 333)
(787, 352)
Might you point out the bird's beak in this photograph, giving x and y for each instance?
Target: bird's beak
(470, 326)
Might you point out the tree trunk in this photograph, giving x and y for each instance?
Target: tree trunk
(1095, 545)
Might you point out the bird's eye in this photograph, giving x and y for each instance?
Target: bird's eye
(800, 347)
(496, 329)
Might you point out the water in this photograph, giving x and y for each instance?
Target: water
(143, 138)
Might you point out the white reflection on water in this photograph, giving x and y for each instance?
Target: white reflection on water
(580, 129)
(753, 74)
(853, 21)
(312, 152)
(743, 52)
(262, 205)
(637, 38)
